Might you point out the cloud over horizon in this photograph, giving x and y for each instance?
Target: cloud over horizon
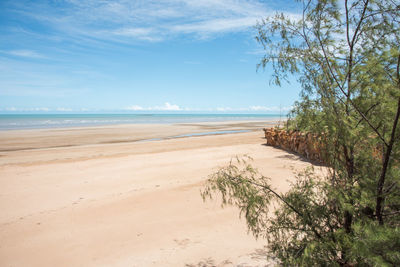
(166, 107)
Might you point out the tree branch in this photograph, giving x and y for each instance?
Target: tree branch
(299, 213)
(380, 198)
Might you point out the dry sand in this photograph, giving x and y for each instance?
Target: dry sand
(97, 197)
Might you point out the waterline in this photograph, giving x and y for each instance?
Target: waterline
(40, 121)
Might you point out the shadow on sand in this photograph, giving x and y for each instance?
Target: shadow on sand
(294, 156)
(259, 257)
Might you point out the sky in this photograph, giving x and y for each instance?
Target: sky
(137, 56)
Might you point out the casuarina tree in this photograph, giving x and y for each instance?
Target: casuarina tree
(346, 56)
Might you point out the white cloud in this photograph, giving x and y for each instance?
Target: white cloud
(64, 109)
(40, 109)
(26, 109)
(223, 109)
(263, 108)
(24, 53)
(253, 109)
(166, 107)
(135, 108)
(36, 109)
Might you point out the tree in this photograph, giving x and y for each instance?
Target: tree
(346, 56)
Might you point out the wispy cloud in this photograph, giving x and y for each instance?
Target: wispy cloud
(146, 34)
(147, 20)
(257, 52)
(23, 53)
(209, 27)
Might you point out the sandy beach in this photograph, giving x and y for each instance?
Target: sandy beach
(128, 195)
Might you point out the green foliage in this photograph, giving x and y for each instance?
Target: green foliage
(385, 242)
(347, 58)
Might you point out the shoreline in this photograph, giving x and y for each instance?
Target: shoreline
(128, 125)
(11, 122)
(30, 139)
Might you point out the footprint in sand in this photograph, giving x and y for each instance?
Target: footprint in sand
(183, 243)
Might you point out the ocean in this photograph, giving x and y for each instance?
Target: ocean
(39, 121)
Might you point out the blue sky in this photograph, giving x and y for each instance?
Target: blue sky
(137, 56)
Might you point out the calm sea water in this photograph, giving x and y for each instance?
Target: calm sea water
(37, 121)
